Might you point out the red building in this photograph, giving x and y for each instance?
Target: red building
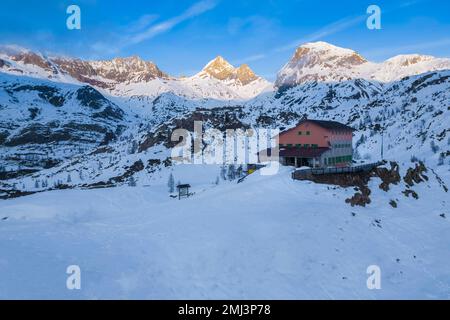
(316, 143)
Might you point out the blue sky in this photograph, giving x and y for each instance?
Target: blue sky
(182, 36)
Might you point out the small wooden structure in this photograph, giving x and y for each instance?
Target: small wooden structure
(183, 190)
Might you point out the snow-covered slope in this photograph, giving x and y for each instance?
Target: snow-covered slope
(44, 123)
(402, 66)
(267, 238)
(321, 61)
(58, 132)
(241, 80)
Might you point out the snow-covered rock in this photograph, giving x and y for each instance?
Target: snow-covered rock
(323, 62)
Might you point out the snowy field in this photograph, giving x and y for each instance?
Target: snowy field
(267, 238)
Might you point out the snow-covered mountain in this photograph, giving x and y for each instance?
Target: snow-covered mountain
(402, 66)
(125, 112)
(72, 124)
(134, 77)
(44, 124)
(220, 76)
(221, 69)
(321, 61)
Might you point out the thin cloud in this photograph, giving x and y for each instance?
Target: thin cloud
(411, 48)
(193, 11)
(140, 24)
(409, 3)
(330, 29)
(252, 24)
(255, 57)
(333, 28)
(142, 29)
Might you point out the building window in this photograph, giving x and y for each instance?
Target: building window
(306, 145)
(308, 133)
(298, 145)
(299, 133)
(289, 145)
(314, 146)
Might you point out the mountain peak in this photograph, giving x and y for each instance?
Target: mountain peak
(320, 61)
(245, 75)
(320, 45)
(134, 58)
(409, 59)
(324, 51)
(324, 62)
(219, 60)
(219, 68)
(28, 57)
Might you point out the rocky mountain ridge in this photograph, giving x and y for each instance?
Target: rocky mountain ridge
(51, 129)
(323, 62)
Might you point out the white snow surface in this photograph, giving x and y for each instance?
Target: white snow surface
(267, 238)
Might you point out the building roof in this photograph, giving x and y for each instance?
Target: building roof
(330, 125)
(302, 152)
